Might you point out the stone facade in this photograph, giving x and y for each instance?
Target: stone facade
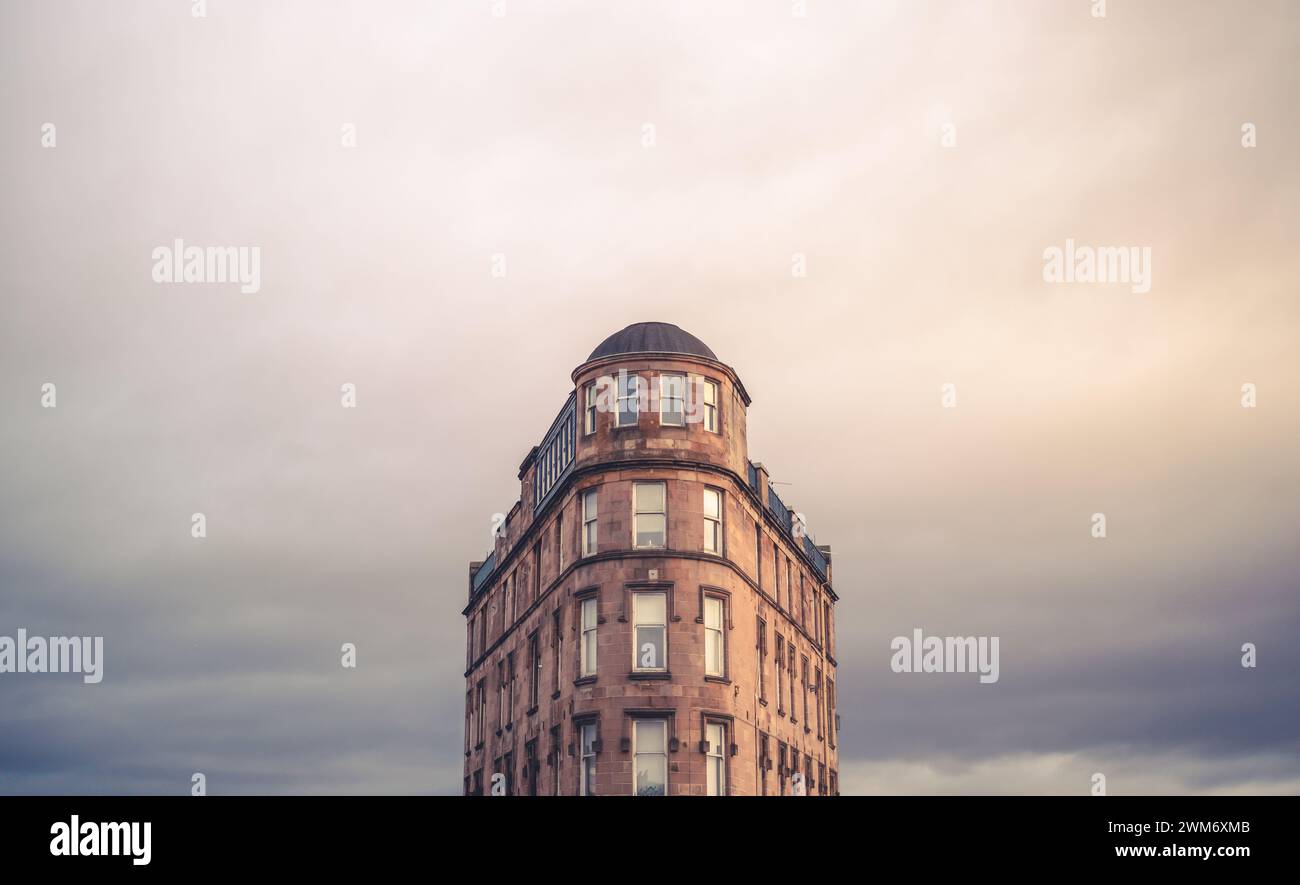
(608, 660)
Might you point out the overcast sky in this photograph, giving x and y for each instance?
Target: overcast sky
(525, 136)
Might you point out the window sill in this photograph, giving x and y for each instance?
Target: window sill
(650, 675)
(721, 680)
(555, 694)
(531, 711)
(585, 680)
(499, 732)
(763, 701)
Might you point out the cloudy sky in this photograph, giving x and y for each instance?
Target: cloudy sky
(922, 156)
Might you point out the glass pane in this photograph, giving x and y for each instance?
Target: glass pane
(589, 504)
(650, 648)
(712, 504)
(649, 497)
(672, 386)
(713, 652)
(588, 613)
(588, 738)
(651, 776)
(712, 612)
(714, 737)
(650, 737)
(650, 530)
(710, 393)
(650, 608)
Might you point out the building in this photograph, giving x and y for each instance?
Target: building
(653, 619)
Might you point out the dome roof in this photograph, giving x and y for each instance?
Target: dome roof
(652, 338)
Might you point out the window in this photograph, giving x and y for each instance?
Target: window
(481, 718)
(534, 669)
(672, 389)
(712, 521)
(762, 763)
(510, 683)
(589, 413)
(532, 767)
(651, 520)
(803, 673)
(587, 768)
(715, 779)
(789, 586)
(762, 659)
(830, 708)
(776, 572)
(821, 778)
(502, 680)
(482, 632)
(557, 758)
(817, 689)
(711, 406)
(510, 601)
(469, 719)
(537, 570)
(559, 543)
(628, 389)
(808, 782)
(826, 627)
(587, 664)
(650, 757)
(781, 770)
(650, 620)
(780, 675)
(557, 645)
(758, 558)
(714, 639)
(790, 660)
(589, 522)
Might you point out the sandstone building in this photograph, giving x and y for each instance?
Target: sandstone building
(653, 620)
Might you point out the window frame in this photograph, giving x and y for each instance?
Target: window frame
(637, 724)
(721, 631)
(621, 395)
(714, 523)
(637, 625)
(637, 513)
(588, 660)
(590, 524)
(587, 780)
(589, 410)
(680, 399)
(712, 410)
(718, 759)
